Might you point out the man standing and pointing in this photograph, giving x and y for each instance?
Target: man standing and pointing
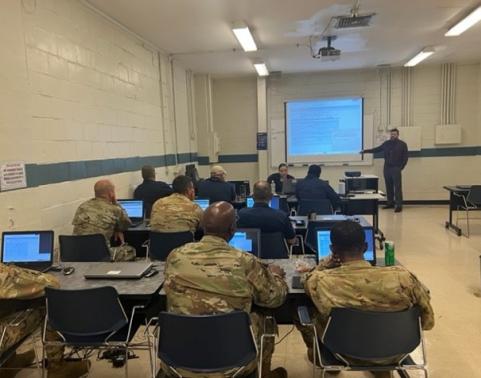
(395, 159)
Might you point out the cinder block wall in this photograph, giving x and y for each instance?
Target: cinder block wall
(75, 87)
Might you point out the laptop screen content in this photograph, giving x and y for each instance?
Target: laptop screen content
(133, 208)
(203, 203)
(27, 247)
(273, 203)
(324, 244)
(246, 240)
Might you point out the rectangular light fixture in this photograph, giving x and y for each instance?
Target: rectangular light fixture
(424, 54)
(244, 36)
(470, 20)
(261, 69)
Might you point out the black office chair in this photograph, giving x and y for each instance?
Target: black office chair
(472, 201)
(354, 335)
(227, 342)
(83, 248)
(318, 206)
(91, 319)
(23, 311)
(162, 243)
(273, 246)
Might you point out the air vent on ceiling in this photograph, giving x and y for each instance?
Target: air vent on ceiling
(347, 22)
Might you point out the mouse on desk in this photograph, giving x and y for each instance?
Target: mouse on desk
(68, 270)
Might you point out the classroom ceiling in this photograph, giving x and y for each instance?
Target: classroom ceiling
(198, 32)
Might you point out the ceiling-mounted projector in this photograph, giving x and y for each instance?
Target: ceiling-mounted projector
(328, 53)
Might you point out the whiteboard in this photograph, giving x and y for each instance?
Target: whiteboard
(277, 138)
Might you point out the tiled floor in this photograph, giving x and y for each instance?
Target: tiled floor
(449, 265)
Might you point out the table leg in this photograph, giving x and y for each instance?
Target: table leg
(449, 224)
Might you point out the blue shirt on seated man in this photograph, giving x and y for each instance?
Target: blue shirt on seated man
(313, 188)
(261, 216)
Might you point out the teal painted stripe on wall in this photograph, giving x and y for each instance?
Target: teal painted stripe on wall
(238, 158)
(44, 174)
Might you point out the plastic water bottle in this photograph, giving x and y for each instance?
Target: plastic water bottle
(389, 256)
(273, 187)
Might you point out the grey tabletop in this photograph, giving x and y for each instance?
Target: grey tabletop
(125, 287)
(290, 267)
(335, 217)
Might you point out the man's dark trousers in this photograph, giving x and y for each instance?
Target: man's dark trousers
(393, 179)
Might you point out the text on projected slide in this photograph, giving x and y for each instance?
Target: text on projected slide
(323, 127)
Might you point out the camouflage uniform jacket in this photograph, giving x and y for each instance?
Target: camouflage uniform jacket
(98, 216)
(210, 277)
(359, 285)
(175, 213)
(19, 283)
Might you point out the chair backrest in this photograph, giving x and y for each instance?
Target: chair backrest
(474, 195)
(367, 335)
(206, 343)
(87, 312)
(162, 243)
(83, 248)
(273, 246)
(318, 206)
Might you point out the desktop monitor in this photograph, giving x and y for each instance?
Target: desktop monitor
(191, 171)
(133, 208)
(273, 203)
(28, 248)
(202, 202)
(324, 244)
(248, 240)
(242, 188)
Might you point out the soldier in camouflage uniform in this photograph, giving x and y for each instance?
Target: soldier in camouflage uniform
(212, 277)
(346, 280)
(102, 215)
(177, 212)
(24, 284)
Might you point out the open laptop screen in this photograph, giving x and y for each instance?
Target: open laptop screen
(27, 247)
(246, 239)
(273, 203)
(324, 244)
(133, 208)
(202, 202)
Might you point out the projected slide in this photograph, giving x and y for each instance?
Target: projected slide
(327, 130)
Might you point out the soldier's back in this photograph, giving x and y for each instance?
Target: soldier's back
(175, 213)
(96, 216)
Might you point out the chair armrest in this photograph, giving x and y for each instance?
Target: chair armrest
(303, 315)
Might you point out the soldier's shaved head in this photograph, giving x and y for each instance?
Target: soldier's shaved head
(262, 191)
(219, 220)
(348, 240)
(148, 172)
(104, 189)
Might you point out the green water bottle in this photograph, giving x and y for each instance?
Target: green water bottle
(389, 253)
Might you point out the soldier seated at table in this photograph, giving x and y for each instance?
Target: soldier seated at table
(24, 284)
(177, 212)
(103, 215)
(211, 277)
(346, 280)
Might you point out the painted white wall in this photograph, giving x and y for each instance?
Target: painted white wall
(423, 177)
(75, 86)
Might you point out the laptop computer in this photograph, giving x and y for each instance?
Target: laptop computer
(202, 202)
(248, 240)
(28, 249)
(134, 209)
(118, 270)
(324, 244)
(273, 203)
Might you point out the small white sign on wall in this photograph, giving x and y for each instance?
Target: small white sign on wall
(12, 176)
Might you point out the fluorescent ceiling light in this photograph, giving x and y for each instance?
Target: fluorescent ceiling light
(463, 25)
(244, 36)
(425, 53)
(261, 69)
